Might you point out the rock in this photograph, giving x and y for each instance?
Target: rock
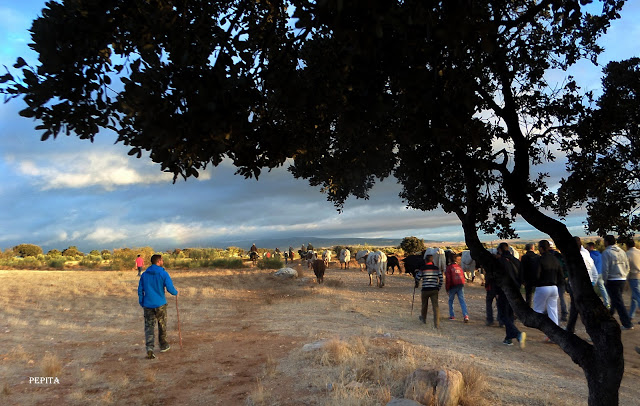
(287, 273)
(314, 346)
(428, 385)
(402, 402)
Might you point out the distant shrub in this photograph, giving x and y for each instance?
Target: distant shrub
(26, 263)
(54, 253)
(72, 251)
(270, 263)
(228, 263)
(90, 261)
(57, 263)
(27, 250)
(412, 245)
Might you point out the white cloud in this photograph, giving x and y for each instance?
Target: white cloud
(107, 171)
(106, 235)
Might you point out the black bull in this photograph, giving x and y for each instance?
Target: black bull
(393, 263)
(412, 263)
(318, 268)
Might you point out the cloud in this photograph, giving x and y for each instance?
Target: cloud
(103, 170)
(106, 235)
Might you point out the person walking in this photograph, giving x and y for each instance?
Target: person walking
(151, 296)
(593, 276)
(563, 287)
(548, 276)
(454, 285)
(511, 267)
(431, 277)
(529, 265)
(139, 264)
(633, 254)
(597, 260)
(491, 287)
(615, 267)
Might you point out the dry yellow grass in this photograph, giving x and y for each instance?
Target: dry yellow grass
(91, 320)
(51, 365)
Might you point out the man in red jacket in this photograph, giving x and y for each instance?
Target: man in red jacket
(454, 284)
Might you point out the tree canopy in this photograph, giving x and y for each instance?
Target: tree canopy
(412, 245)
(451, 97)
(27, 250)
(604, 165)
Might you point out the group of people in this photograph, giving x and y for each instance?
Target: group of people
(544, 276)
(288, 255)
(545, 280)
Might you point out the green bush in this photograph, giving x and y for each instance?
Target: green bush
(57, 263)
(27, 250)
(412, 245)
(26, 263)
(90, 262)
(54, 253)
(270, 263)
(229, 263)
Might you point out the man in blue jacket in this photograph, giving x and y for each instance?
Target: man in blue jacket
(151, 297)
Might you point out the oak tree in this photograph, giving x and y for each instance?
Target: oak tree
(451, 97)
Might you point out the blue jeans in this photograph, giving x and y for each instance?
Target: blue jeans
(453, 291)
(603, 291)
(614, 287)
(634, 284)
(507, 316)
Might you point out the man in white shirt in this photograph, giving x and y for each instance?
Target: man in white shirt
(615, 267)
(633, 254)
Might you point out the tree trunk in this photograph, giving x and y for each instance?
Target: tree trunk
(602, 361)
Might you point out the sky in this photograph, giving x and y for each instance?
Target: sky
(71, 192)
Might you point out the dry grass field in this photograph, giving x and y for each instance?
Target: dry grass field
(243, 335)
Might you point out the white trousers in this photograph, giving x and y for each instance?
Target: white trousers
(546, 298)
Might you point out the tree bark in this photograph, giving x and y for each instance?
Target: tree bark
(602, 361)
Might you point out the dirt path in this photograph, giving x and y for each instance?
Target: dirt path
(243, 332)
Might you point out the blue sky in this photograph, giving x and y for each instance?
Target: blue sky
(71, 192)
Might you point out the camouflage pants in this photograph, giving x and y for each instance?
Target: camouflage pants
(150, 317)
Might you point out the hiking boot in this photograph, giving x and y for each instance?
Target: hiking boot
(466, 319)
(150, 355)
(626, 328)
(165, 349)
(522, 338)
(507, 342)
(490, 323)
(422, 320)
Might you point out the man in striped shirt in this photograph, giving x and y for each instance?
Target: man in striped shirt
(432, 279)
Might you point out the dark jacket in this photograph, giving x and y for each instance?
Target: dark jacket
(549, 271)
(529, 267)
(512, 266)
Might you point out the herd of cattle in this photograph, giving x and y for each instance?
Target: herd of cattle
(378, 263)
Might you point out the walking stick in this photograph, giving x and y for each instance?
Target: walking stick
(179, 331)
(414, 298)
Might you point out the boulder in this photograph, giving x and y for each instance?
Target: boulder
(428, 385)
(314, 346)
(403, 402)
(286, 273)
